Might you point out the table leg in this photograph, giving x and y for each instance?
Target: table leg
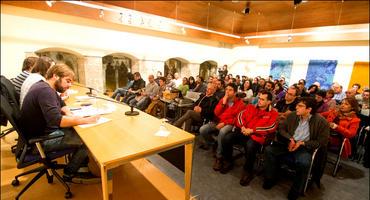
(188, 168)
(104, 182)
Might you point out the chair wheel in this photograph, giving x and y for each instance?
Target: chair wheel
(15, 182)
(68, 195)
(50, 179)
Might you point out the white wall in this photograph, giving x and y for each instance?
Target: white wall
(21, 34)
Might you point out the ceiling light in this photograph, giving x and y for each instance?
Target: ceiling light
(363, 30)
(121, 17)
(296, 2)
(246, 11)
(50, 3)
(290, 38)
(170, 21)
(101, 13)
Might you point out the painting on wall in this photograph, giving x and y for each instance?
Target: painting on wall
(207, 69)
(281, 68)
(172, 66)
(321, 71)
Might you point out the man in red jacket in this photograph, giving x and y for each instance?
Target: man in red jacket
(253, 125)
(226, 111)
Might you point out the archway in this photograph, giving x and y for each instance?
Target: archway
(71, 58)
(174, 65)
(207, 69)
(117, 68)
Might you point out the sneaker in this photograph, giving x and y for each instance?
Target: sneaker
(268, 184)
(246, 178)
(218, 164)
(82, 178)
(292, 195)
(226, 167)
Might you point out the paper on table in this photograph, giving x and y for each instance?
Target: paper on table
(163, 132)
(90, 110)
(100, 121)
(71, 91)
(81, 98)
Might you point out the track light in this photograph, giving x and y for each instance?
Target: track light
(50, 3)
(121, 17)
(101, 13)
(296, 2)
(290, 38)
(247, 9)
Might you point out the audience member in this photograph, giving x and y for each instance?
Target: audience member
(253, 125)
(321, 104)
(343, 123)
(202, 111)
(298, 135)
(26, 70)
(226, 110)
(38, 73)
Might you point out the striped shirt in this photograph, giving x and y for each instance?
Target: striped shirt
(18, 81)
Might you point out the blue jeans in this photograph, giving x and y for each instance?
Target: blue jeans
(207, 130)
(70, 140)
(118, 93)
(301, 158)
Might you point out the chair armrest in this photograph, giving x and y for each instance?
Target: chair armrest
(43, 138)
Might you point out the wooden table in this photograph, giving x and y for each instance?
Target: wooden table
(127, 138)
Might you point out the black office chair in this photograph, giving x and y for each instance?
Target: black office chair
(8, 90)
(25, 155)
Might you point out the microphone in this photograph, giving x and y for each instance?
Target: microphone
(89, 93)
(131, 112)
(83, 86)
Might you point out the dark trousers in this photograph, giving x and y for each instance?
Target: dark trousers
(70, 140)
(301, 159)
(251, 148)
(189, 118)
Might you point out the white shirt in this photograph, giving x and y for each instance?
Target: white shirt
(177, 82)
(30, 80)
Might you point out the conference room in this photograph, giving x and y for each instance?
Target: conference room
(185, 99)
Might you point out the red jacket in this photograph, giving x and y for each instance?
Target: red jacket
(227, 114)
(263, 122)
(347, 127)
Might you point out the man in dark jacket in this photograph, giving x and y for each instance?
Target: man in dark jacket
(298, 136)
(135, 88)
(203, 109)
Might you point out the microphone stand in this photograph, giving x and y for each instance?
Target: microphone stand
(89, 93)
(128, 113)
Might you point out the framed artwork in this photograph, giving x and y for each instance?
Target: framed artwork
(281, 68)
(321, 71)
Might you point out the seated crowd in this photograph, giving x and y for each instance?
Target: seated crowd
(265, 115)
(257, 113)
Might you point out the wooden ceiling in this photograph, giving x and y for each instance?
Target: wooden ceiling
(228, 16)
(265, 17)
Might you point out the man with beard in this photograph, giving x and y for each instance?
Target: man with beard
(44, 113)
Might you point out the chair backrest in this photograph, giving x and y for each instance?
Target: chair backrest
(9, 92)
(12, 115)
